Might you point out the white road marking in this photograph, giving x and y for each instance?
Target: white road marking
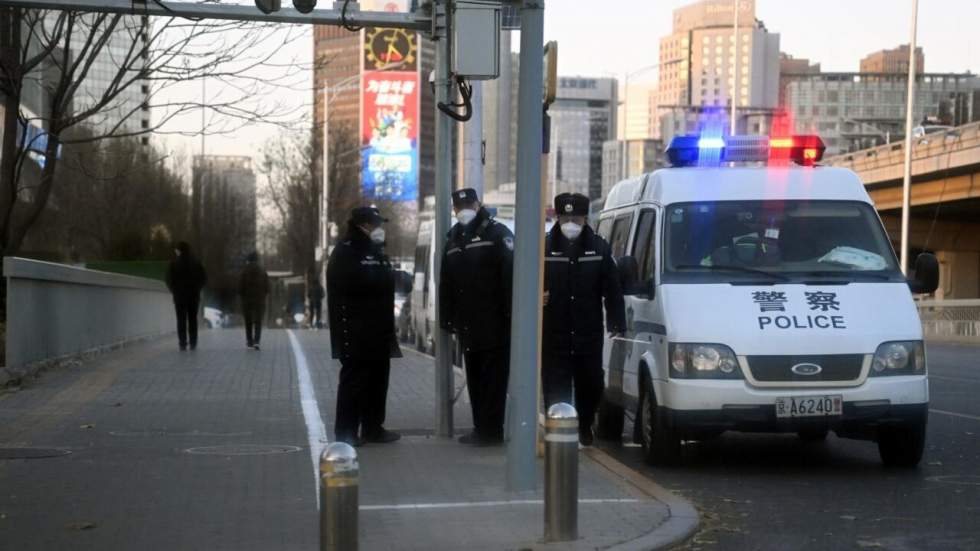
(316, 433)
(466, 504)
(954, 414)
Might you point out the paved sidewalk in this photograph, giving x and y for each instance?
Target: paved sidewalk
(212, 450)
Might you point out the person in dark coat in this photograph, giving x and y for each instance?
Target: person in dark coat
(185, 279)
(361, 310)
(580, 274)
(253, 288)
(315, 296)
(475, 303)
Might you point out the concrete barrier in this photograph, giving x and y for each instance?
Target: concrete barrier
(54, 310)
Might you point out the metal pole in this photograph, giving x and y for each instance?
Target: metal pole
(324, 215)
(338, 498)
(735, 78)
(626, 127)
(529, 226)
(907, 174)
(444, 184)
(561, 473)
(503, 138)
(473, 143)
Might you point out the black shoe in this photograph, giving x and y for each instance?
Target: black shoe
(183, 347)
(470, 439)
(249, 344)
(586, 437)
(256, 346)
(382, 437)
(490, 441)
(193, 346)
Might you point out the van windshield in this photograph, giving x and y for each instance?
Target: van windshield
(776, 241)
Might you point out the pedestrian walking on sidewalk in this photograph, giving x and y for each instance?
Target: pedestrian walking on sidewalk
(253, 288)
(185, 279)
(474, 294)
(315, 296)
(361, 306)
(579, 275)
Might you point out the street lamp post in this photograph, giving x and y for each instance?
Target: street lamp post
(626, 106)
(907, 176)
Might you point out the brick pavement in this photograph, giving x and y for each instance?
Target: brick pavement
(130, 417)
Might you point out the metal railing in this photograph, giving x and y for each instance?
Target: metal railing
(950, 320)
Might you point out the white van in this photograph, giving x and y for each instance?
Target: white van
(763, 295)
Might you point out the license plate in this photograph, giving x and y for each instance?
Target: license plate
(809, 406)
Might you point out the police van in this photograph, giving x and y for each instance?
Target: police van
(763, 295)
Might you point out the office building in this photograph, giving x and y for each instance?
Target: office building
(853, 111)
(500, 112)
(638, 112)
(583, 118)
(894, 61)
(791, 67)
(644, 156)
(697, 60)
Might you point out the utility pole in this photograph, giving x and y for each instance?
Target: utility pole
(735, 77)
(443, 184)
(528, 257)
(907, 175)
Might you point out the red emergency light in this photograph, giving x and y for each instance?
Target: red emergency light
(804, 150)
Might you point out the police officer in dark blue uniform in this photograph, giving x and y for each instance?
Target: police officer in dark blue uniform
(474, 298)
(580, 274)
(361, 306)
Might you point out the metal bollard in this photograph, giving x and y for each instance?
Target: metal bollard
(561, 473)
(338, 498)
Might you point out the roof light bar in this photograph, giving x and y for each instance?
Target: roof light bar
(804, 150)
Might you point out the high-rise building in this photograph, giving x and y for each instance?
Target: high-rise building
(583, 117)
(500, 112)
(224, 209)
(895, 60)
(697, 60)
(853, 111)
(791, 67)
(638, 120)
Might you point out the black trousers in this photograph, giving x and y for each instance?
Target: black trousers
(361, 396)
(254, 314)
(186, 307)
(487, 372)
(578, 375)
(316, 311)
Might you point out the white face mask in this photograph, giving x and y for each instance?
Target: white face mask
(378, 235)
(465, 216)
(571, 230)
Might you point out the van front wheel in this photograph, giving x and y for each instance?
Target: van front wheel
(661, 444)
(902, 446)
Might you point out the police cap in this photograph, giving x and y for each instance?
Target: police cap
(366, 215)
(464, 196)
(574, 204)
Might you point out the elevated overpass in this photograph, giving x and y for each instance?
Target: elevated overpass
(945, 214)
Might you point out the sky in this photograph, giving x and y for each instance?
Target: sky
(612, 37)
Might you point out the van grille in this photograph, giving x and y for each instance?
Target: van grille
(779, 369)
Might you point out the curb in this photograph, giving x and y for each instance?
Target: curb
(682, 517)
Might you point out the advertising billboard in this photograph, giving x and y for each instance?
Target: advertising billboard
(390, 135)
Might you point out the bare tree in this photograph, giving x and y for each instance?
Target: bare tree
(56, 52)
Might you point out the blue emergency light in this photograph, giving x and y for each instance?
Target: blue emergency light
(805, 150)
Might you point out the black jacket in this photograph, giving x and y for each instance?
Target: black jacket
(578, 277)
(475, 283)
(253, 285)
(186, 277)
(361, 299)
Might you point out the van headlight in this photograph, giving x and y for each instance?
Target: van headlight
(899, 358)
(703, 361)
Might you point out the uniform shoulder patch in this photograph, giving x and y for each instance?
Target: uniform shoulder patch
(509, 243)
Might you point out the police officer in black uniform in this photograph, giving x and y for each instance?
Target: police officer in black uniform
(475, 294)
(361, 306)
(580, 274)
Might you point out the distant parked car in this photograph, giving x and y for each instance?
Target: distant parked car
(214, 318)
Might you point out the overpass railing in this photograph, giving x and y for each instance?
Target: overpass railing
(55, 311)
(950, 320)
(932, 152)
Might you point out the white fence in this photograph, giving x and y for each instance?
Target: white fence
(55, 310)
(950, 320)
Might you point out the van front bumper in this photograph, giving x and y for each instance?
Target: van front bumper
(735, 406)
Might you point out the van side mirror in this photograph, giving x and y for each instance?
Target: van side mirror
(629, 275)
(403, 282)
(926, 278)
